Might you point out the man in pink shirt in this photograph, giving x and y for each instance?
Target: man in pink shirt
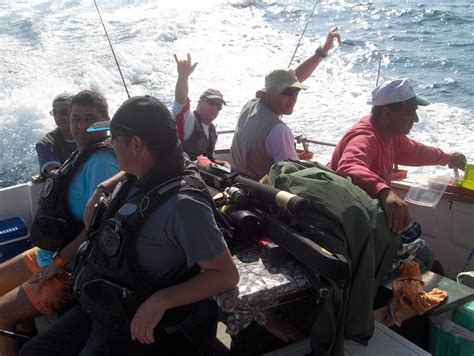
(369, 150)
(261, 137)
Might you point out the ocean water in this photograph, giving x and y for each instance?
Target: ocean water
(51, 46)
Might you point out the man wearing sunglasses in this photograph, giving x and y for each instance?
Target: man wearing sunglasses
(261, 138)
(154, 256)
(57, 145)
(195, 128)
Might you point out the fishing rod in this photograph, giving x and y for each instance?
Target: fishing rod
(302, 34)
(299, 139)
(378, 72)
(319, 142)
(112, 48)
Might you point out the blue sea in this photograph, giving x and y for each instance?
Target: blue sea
(52, 46)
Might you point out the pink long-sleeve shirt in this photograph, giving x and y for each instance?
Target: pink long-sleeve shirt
(368, 158)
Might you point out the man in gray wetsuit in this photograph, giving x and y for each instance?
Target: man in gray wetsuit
(156, 251)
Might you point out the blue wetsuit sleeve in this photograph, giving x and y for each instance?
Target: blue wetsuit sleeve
(46, 156)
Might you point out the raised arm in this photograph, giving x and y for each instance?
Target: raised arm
(305, 69)
(185, 69)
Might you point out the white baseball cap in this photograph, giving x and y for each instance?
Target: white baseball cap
(396, 91)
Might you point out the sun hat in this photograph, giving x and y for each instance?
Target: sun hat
(278, 80)
(396, 91)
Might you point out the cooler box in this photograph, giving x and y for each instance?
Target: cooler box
(14, 238)
(452, 333)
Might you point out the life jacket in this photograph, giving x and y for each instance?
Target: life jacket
(107, 280)
(58, 143)
(54, 226)
(198, 143)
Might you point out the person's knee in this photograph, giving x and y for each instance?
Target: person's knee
(13, 273)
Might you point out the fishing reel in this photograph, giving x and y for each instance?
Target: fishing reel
(234, 206)
(234, 195)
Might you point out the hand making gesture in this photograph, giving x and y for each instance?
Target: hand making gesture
(185, 67)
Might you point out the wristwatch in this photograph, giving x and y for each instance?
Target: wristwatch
(58, 259)
(319, 52)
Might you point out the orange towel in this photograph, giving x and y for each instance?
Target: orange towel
(408, 289)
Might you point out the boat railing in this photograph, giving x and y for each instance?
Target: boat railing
(299, 139)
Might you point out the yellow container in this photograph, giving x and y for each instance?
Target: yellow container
(468, 181)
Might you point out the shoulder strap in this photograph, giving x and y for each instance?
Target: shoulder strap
(150, 201)
(72, 164)
(157, 196)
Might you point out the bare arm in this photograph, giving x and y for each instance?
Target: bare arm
(185, 69)
(67, 253)
(109, 185)
(396, 210)
(218, 274)
(305, 69)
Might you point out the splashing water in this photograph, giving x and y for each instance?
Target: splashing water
(52, 46)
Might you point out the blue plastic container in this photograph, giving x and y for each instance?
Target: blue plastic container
(14, 238)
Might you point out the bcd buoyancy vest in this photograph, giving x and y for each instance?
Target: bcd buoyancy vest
(60, 146)
(54, 226)
(198, 143)
(107, 280)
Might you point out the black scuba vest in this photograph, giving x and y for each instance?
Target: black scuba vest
(198, 143)
(54, 226)
(107, 280)
(58, 144)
